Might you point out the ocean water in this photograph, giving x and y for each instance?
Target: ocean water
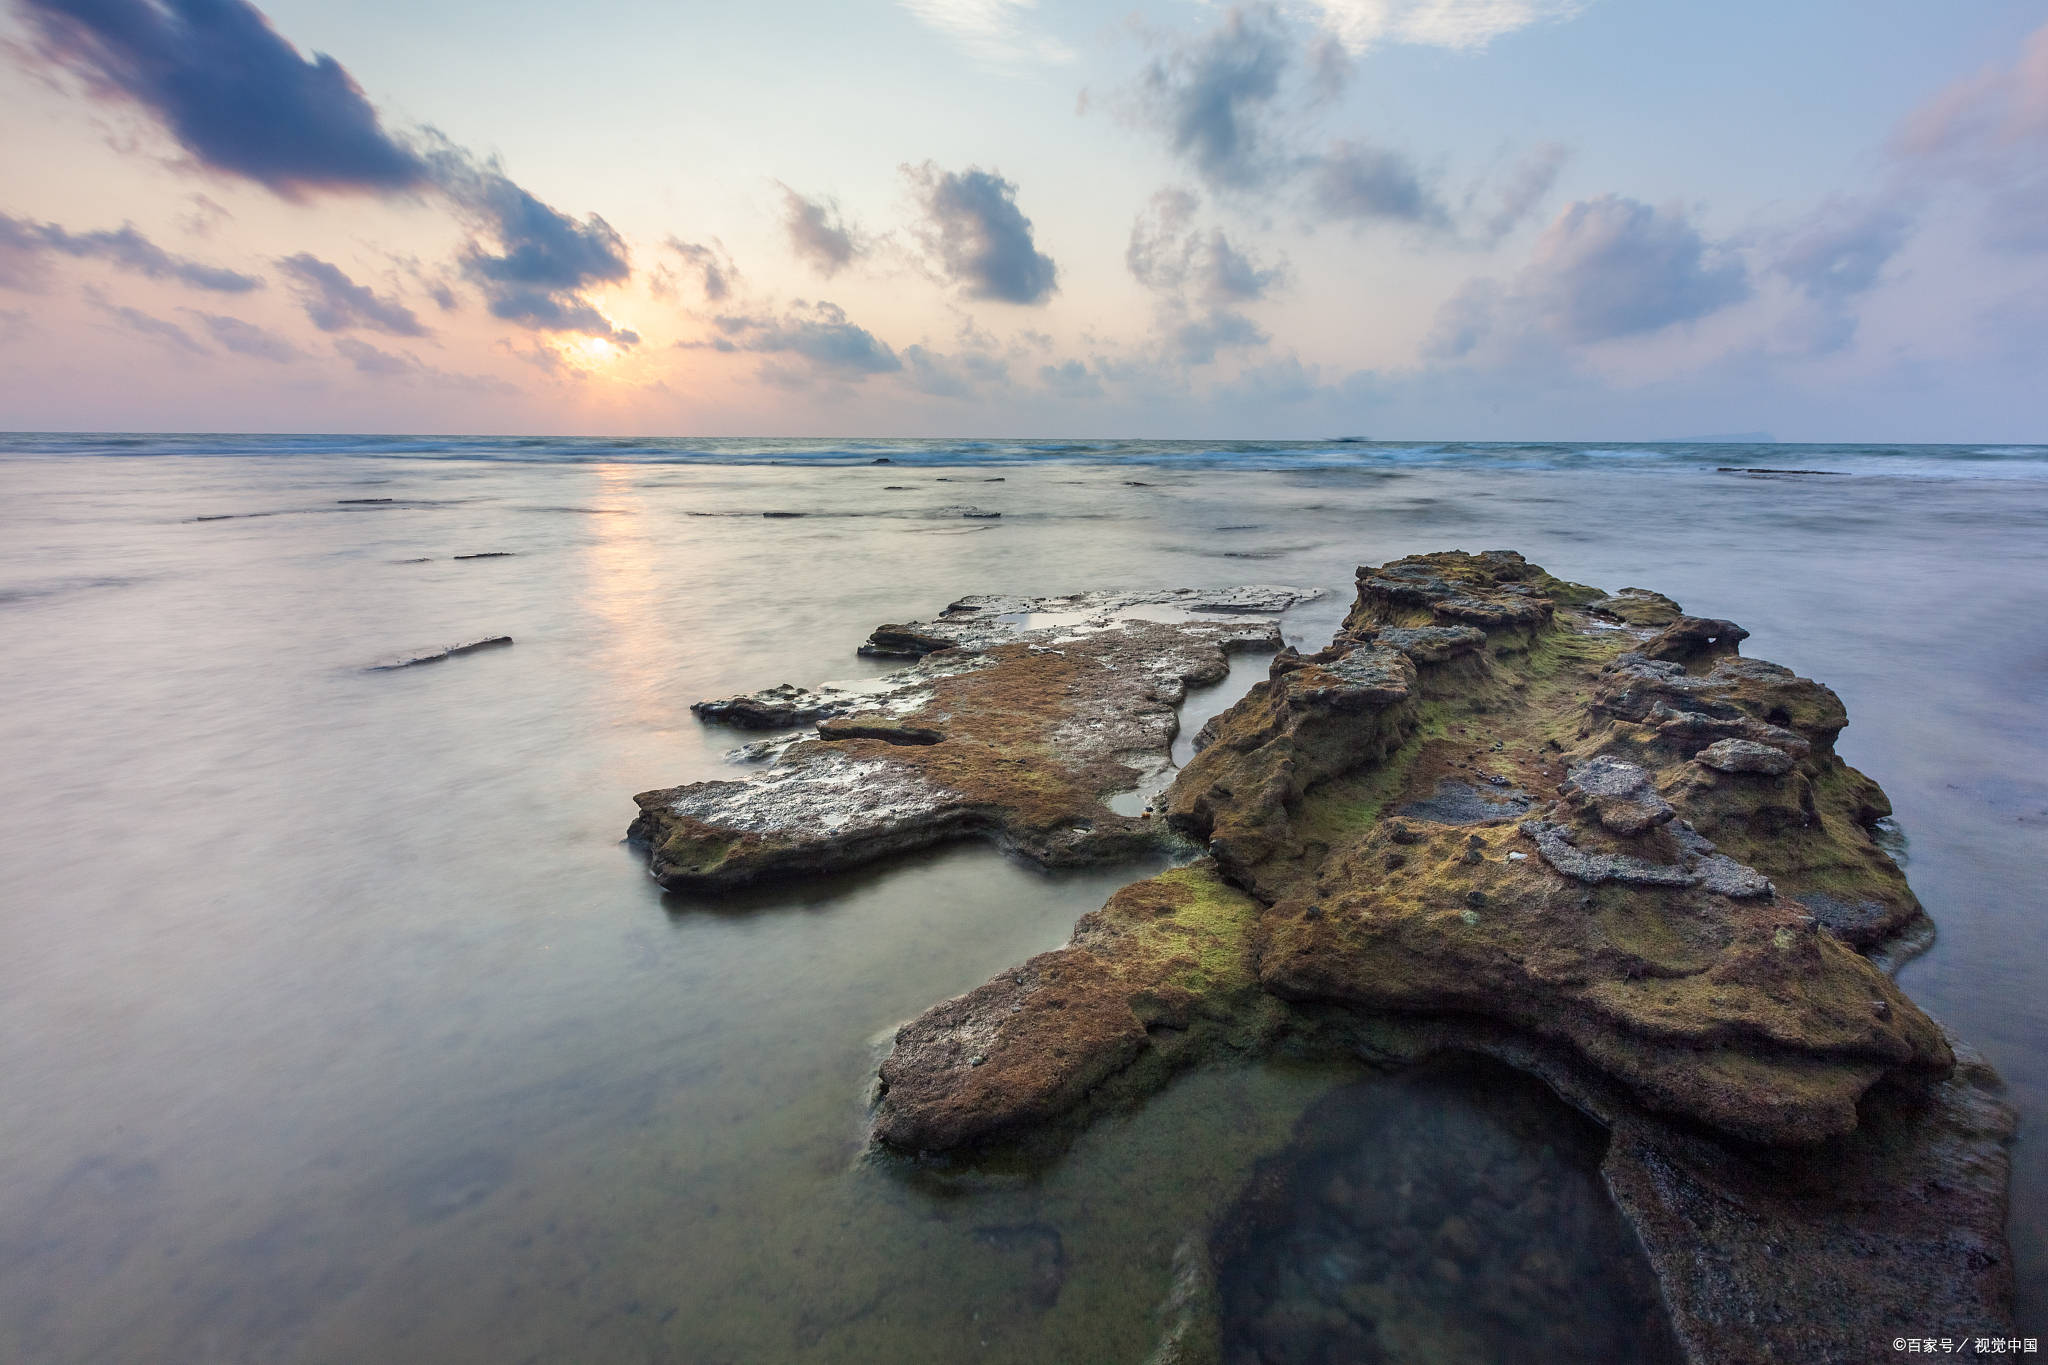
(337, 1024)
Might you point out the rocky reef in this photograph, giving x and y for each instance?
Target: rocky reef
(1506, 815)
(1022, 721)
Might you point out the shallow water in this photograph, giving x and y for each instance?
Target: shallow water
(1454, 1212)
(336, 1024)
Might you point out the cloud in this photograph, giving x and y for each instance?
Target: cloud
(245, 338)
(818, 333)
(369, 360)
(958, 375)
(1606, 268)
(1989, 133)
(1832, 259)
(992, 30)
(1524, 188)
(544, 258)
(818, 233)
(1224, 272)
(1839, 251)
(381, 364)
(125, 248)
(1356, 182)
(1228, 102)
(232, 91)
(1215, 95)
(1169, 254)
(1198, 340)
(1614, 267)
(143, 324)
(1457, 24)
(1464, 320)
(715, 270)
(336, 303)
(205, 215)
(1200, 278)
(239, 97)
(1070, 380)
(982, 240)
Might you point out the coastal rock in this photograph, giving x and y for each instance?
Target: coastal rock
(983, 621)
(436, 656)
(1164, 970)
(1509, 849)
(1831, 1255)
(1433, 644)
(1500, 814)
(1745, 756)
(1018, 723)
(1636, 607)
(1653, 930)
(1690, 637)
(786, 705)
(1617, 793)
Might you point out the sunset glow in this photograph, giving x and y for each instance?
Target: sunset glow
(1394, 219)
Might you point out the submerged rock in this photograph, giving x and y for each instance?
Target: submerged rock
(1453, 1212)
(1677, 946)
(1018, 723)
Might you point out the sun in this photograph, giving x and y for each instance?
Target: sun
(596, 350)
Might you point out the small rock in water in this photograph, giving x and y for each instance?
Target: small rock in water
(489, 642)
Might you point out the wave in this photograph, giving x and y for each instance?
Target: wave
(1334, 453)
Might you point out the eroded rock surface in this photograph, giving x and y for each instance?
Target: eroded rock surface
(1528, 844)
(1019, 721)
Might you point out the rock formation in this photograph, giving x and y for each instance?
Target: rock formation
(1578, 833)
(1019, 722)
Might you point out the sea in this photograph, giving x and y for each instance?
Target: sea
(338, 1023)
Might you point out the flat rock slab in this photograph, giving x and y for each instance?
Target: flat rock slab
(1020, 720)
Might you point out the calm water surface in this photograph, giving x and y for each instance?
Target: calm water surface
(337, 1025)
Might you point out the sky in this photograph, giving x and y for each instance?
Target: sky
(1626, 220)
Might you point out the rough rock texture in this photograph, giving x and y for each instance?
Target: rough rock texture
(1419, 841)
(1771, 1256)
(1745, 756)
(1165, 969)
(1649, 929)
(1021, 718)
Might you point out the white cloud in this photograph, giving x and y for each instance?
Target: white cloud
(1461, 24)
(993, 30)
(1989, 132)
